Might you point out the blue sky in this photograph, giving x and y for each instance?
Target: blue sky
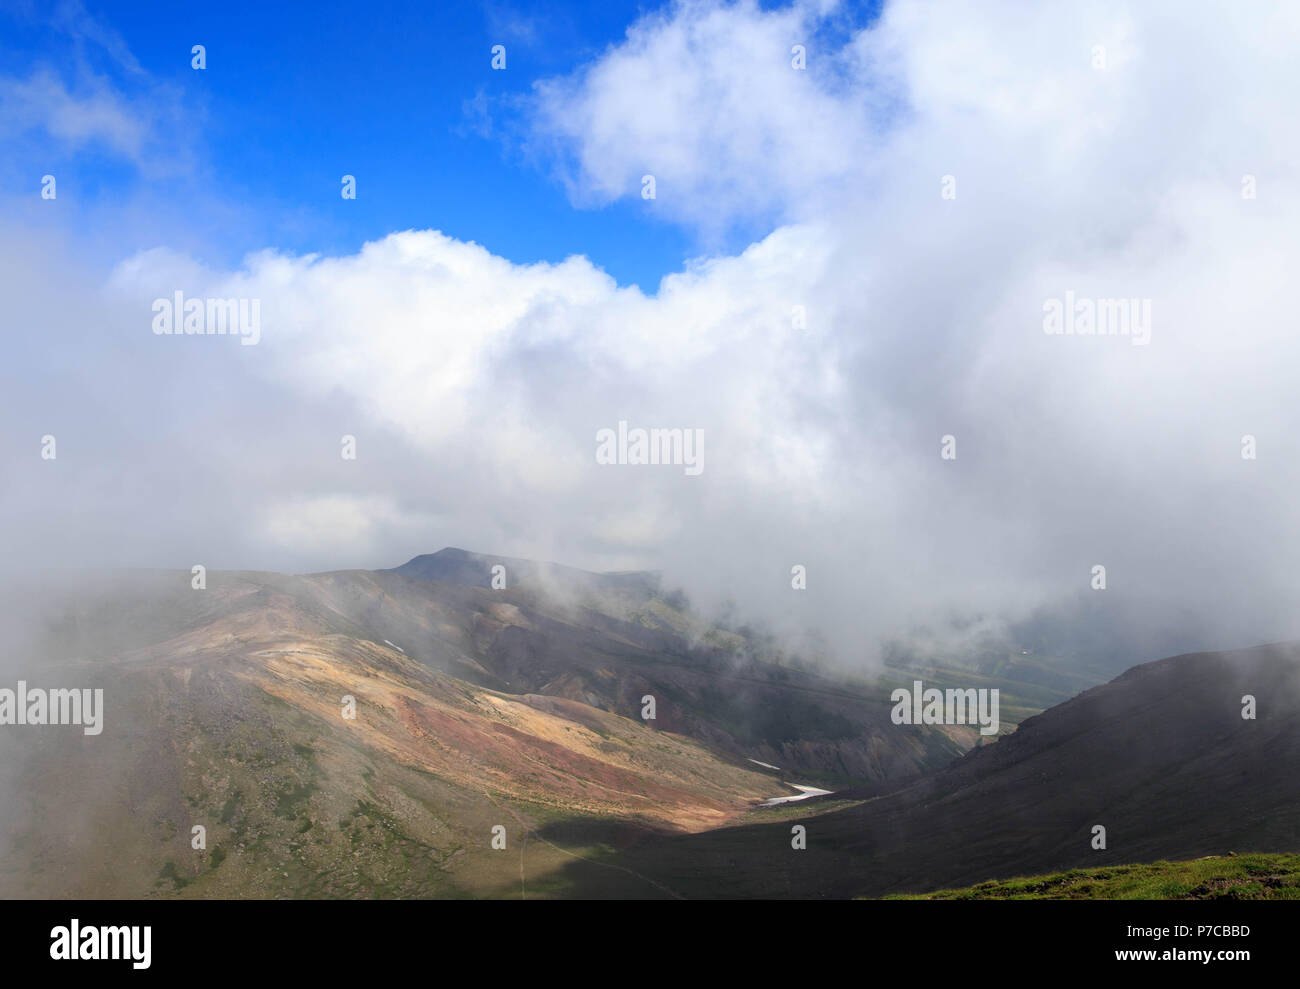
(400, 95)
(386, 92)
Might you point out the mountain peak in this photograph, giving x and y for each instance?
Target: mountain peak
(452, 565)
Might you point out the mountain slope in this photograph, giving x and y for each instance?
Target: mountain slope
(609, 640)
(1161, 757)
(225, 709)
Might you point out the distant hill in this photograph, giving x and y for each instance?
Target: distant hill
(458, 566)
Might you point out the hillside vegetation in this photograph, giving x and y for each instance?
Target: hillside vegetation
(1216, 877)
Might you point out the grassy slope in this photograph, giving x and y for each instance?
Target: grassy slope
(1233, 877)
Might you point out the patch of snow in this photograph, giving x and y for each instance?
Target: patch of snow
(806, 792)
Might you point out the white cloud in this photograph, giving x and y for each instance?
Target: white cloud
(342, 524)
(93, 94)
(44, 101)
(476, 386)
(705, 98)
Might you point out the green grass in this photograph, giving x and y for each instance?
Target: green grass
(1219, 877)
(169, 873)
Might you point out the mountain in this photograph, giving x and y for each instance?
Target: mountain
(609, 640)
(225, 708)
(458, 566)
(474, 708)
(1161, 757)
(516, 714)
